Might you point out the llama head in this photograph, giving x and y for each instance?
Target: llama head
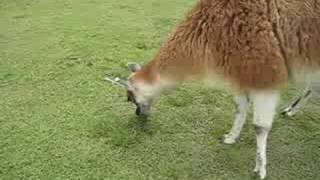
(140, 91)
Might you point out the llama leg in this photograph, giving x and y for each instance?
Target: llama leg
(292, 109)
(264, 110)
(242, 104)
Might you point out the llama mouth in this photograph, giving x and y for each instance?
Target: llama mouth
(142, 110)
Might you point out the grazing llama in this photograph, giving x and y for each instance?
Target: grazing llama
(256, 46)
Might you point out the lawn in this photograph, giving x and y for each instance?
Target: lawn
(60, 120)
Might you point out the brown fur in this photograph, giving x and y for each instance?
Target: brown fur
(255, 44)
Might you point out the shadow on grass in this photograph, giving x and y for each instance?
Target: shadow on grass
(125, 133)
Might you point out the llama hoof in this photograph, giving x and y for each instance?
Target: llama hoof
(256, 170)
(288, 112)
(227, 139)
(260, 172)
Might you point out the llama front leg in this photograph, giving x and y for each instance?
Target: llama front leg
(264, 109)
(242, 105)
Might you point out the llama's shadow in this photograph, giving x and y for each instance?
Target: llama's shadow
(126, 133)
(141, 125)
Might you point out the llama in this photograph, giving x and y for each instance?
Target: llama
(256, 46)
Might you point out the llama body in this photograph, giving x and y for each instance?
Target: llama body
(255, 45)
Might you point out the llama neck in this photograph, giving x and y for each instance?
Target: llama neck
(175, 62)
(160, 72)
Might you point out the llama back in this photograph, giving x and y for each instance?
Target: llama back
(253, 44)
(231, 39)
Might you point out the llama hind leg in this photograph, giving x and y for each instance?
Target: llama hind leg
(242, 105)
(294, 107)
(265, 104)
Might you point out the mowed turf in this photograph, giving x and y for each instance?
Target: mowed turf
(60, 120)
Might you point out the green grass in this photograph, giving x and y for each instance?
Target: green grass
(60, 120)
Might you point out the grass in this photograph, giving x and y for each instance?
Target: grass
(60, 120)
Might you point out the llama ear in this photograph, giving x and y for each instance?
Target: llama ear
(134, 67)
